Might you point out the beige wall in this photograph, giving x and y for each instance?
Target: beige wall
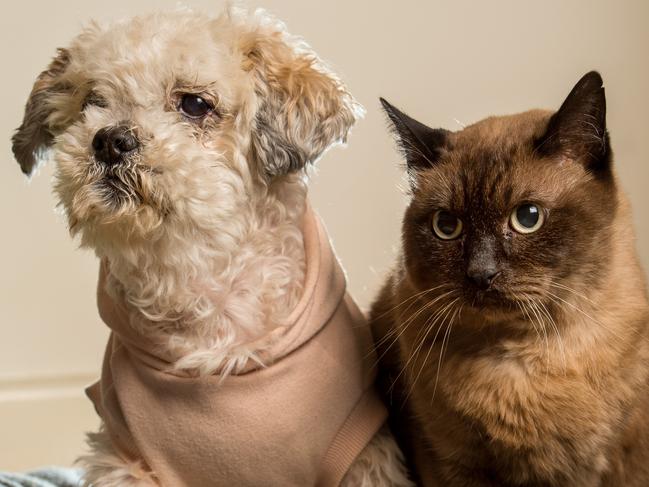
(441, 62)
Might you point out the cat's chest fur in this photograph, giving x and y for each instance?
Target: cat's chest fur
(521, 420)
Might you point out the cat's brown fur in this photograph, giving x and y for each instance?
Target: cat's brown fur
(552, 392)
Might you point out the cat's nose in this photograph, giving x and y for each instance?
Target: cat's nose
(483, 277)
(482, 265)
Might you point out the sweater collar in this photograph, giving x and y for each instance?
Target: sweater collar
(324, 288)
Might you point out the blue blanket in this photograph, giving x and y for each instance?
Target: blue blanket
(46, 477)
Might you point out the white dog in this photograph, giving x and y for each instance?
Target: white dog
(182, 144)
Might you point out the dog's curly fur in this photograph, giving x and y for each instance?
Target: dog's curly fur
(201, 225)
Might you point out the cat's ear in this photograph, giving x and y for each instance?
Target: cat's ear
(422, 146)
(578, 129)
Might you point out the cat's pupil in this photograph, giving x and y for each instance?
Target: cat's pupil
(527, 215)
(446, 222)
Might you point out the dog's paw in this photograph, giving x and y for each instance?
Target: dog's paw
(104, 467)
(380, 464)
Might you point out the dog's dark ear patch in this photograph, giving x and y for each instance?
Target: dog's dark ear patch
(34, 137)
(578, 129)
(274, 151)
(303, 109)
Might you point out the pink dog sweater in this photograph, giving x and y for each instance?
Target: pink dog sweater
(300, 421)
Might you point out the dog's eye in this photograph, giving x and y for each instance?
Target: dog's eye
(93, 99)
(194, 106)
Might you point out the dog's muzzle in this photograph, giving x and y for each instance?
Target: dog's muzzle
(113, 145)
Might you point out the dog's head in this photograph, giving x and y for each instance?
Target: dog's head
(171, 120)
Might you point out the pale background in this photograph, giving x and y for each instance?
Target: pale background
(439, 61)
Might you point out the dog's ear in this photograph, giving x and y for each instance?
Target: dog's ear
(34, 136)
(303, 107)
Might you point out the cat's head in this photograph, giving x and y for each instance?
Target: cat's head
(510, 208)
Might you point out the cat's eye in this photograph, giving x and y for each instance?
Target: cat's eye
(527, 218)
(195, 106)
(446, 225)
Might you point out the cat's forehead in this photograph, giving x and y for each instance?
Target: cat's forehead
(501, 132)
(492, 165)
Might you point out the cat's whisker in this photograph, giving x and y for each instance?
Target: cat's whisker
(394, 330)
(543, 309)
(536, 322)
(535, 305)
(410, 298)
(527, 311)
(447, 336)
(437, 317)
(573, 291)
(404, 326)
(431, 323)
(547, 349)
(426, 306)
(424, 293)
(403, 369)
(554, 298)
(524, 313)
(428, 325)
(522, 307)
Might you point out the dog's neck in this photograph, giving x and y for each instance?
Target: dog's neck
(211, 296)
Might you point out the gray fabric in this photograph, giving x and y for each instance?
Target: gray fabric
(45, 477)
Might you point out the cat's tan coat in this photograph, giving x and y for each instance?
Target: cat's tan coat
(557, 396)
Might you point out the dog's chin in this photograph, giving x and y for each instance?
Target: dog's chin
(120, 205)
(118, 194)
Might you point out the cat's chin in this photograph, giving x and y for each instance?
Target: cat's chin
(491, 306)
(489, 300)
(493, 314)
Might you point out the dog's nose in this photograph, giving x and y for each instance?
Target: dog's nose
(113, 144)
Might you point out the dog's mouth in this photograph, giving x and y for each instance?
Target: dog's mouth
(124, 185)
(126, 200)
(116, 192)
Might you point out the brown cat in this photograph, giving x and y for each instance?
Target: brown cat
(514, 328)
